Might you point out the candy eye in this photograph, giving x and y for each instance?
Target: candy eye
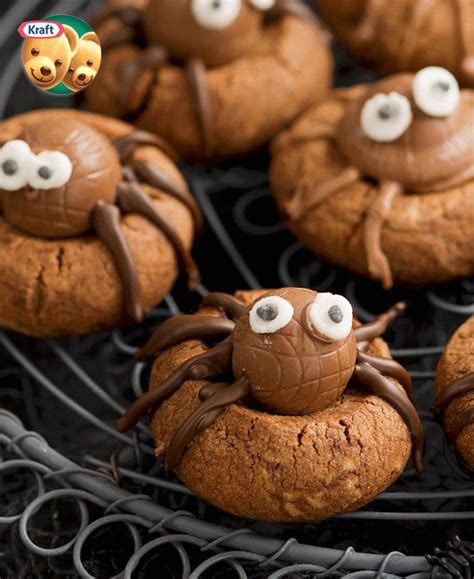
(331, 316)
(385, 117)
(263, 4)
(15, 158)
(215, 14)
(436, 91)
(51, 169)
(270, 314)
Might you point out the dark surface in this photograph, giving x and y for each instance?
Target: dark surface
(238, 192)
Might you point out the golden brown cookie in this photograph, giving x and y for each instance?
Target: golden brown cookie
(455, 390)
(380, 178)
(206, 87)
(405, 35)
(95, 221)
(235, 421)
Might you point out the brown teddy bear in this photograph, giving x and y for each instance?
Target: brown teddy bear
(85, 63)
(47, 60)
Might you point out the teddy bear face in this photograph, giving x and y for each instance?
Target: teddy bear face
(216, 31)
(85, 63)
(46, 60)
(51, 178)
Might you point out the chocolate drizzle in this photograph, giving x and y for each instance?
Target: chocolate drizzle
(448, 395)
(178, 329)
(370, 379)
(214, 362)
(127, 145)
(220, 362)
(222, 396)
(196, 75)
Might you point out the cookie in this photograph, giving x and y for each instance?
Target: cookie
(379, 178)
(455, 390)
(200, 74)
(278, 406)
(402, 35)
(95, 221)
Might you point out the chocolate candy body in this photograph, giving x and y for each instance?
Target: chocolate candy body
(292, 371)
(65, 211)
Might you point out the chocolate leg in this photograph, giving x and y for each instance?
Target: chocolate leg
(151, 59)
(132, 199)
(178, 329)
(378, 264)
(214, 362)
(224, 395)
(153, 175)
(388, 367)
(379, 326)
(371, 380)
(196, 73)
(296, 208)
(106, 222)
(232, 307)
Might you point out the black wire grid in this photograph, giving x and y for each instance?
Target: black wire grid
(92, 502)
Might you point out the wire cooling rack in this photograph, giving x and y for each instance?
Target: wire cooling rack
(78, 499)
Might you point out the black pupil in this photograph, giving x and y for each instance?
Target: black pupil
(268, 312)
(10, 167)
(216, 4)
(335, 313)
(45, 172)
(385, 112)
(442, 85)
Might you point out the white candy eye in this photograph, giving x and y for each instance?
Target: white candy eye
(263, 4)
(385, 117)
(270, 314)
(331, 316)
(15, 158)
(215, 14)
(51, 169)
(436, 91)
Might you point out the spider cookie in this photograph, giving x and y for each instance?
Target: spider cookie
(95, 221)
(280, 392)
(406, 35)
(455, 390)
(380, 178)
(200, 72)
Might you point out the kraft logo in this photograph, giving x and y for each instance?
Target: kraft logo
(40, 29)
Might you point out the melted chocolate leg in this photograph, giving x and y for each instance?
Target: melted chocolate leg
(371, 380)
(196, 73)
(204, 415)
(129, 143)
(178, 329)
(214, 362)
(364, 32)
(132, 199)
(388, 367)
(151, 59)
(153, 175)
(230, 306)
(379, 326)
(296, 208)
(378, 264)
(106, 222)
